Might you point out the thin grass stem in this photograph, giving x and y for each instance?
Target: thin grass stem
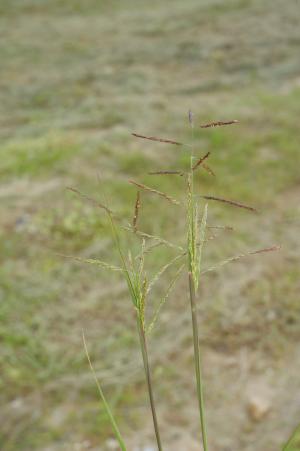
(197, 360)
(140, 325)
(143, 344)
(194, 261)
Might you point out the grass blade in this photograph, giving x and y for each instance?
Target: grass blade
(103, 399)
(289, 446)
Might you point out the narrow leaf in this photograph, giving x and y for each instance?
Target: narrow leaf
(103, 399)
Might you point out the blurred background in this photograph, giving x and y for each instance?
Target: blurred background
(77, 77)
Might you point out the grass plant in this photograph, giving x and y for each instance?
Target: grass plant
(196, 226)
(139, 287)
(132, 266)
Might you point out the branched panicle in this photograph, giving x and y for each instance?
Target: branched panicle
(133, 266)
(196, 234)
(196, 240)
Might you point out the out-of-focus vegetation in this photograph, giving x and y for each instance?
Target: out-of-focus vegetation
(77, 77)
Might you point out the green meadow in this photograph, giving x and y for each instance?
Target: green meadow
(76, 79)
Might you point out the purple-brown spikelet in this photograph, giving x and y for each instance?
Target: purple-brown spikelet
(208, 169)
(154, 138)
(200, 161)
(154, 191)
(218, 124)
(136, 211)
(259, 251)
(90, 199)
(230, 202)
(166, 173)
(267, 249)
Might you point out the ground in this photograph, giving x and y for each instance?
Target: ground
(76, 79)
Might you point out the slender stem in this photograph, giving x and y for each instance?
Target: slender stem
(197, 362)
(191, 263)
(105, 403)
(143, 344)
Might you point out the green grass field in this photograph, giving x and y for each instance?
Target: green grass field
(76, 78)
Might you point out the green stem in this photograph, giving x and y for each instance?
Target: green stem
(105, 403)
(197, 361)
(144, 350)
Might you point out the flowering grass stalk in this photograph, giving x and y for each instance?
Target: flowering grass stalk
(196, 225)
(137, 285)
(195, 241)
(140, 285)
